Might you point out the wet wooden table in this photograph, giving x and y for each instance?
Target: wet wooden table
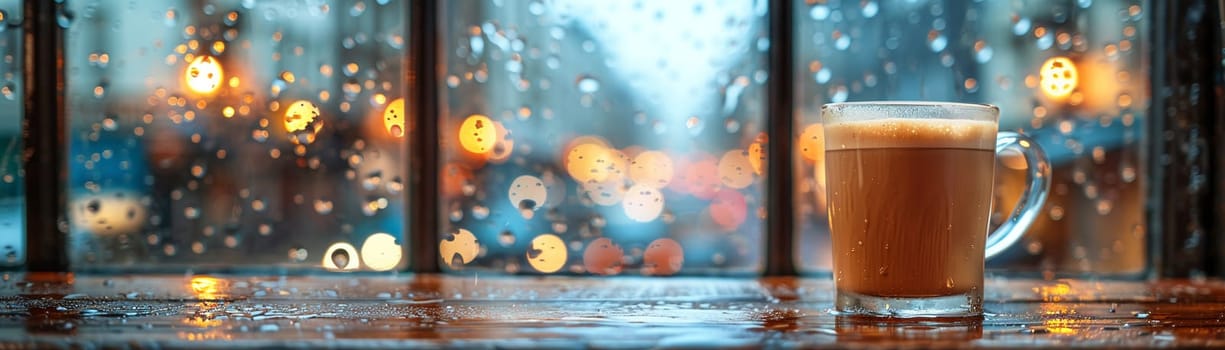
(466, 311)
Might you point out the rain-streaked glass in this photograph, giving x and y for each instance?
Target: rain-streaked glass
(603, 137)
(1071, 74)
(256, 134)
(12, 187)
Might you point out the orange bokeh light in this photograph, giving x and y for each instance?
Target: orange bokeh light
(757, 157)
(699, 176)
(589, 162)
(1058, 77)
(203, 74)
(477, 134)
(811, 143)
(728, 209)
(393, 118)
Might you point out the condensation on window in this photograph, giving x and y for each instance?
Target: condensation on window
(603, 138)
(249, 134)
(1072, 74)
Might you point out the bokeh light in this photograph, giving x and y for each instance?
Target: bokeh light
(547, 254)
(1059, 77)
(303, 122)
(728, 209)
(663, 257)
(812, 143)
(811, 146)
(589, 163)
(381, 252)
(109, 213)
(477, 134)
(528, 193)
(341, 256)
(203, 75)
(581, 140)
(735, 171)
(393, 118)
(603, 257)
(757, 157)
(652, 168)
(700, 176)
(459, 248)
(643, 203)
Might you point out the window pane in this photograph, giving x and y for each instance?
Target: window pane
(1089, 120)
(246, 134)
(12, 187)
(610, 137)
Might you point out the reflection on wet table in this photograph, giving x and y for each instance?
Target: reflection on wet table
(473, 310)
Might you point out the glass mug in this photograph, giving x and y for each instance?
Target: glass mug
(909, 188)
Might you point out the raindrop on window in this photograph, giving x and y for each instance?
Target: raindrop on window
(1021, 26)
(869, 9)
(819, 12)
(587, 84)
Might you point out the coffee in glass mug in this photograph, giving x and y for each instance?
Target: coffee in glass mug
(909, 188)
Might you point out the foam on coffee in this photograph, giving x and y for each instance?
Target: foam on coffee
(910, 133)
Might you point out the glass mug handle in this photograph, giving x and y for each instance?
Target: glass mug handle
(1037, 175)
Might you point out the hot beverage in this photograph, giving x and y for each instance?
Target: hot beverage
(908, 204)
(909, 196)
